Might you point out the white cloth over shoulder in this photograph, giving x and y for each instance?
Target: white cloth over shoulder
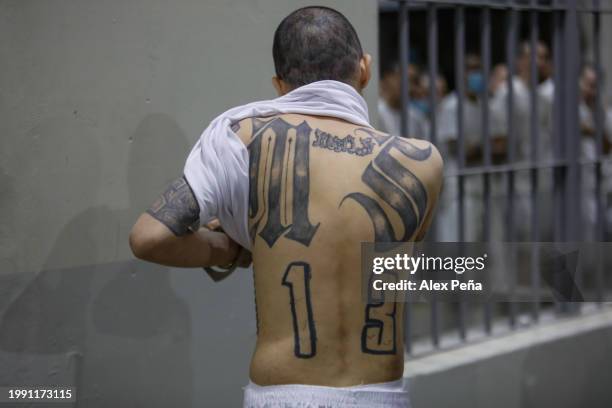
(217, 168)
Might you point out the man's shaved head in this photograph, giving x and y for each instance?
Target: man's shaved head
(316, 43)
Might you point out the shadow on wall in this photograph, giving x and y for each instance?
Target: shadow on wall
(117, 331)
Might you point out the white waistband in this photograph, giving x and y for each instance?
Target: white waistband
(393, 394)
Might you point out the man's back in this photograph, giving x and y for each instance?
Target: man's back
(318, 188)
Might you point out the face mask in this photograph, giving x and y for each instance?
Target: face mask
(475, 82)
(420, 105)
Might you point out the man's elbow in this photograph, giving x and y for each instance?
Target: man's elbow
(143, 240)
(141, 245)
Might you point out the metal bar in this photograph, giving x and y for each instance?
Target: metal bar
(460, 88)
(599, 117)
(407, 328)
(434, 321)
(511, 34)
(485, 51)
(564, 230)
(391, 5)
(572, 214)
(560, 174)
(432, 47)
(573, 125)
(511, 31)
(460, 81)
(405, 100)
(558, 128)
(533, 89)
(404, 44)
(432, 55)
(524, 166)
(520, 166)
(599, 138)
(535, 143)
(570, 114)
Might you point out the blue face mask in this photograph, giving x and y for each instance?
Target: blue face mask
(475, 82)
(420, 105)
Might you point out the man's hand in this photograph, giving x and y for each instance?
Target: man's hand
(244, 258)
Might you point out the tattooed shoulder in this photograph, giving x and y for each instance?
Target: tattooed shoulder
(177, 208)
(391, 180)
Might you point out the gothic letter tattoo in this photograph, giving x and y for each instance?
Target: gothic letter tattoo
(177, 208)
(398, 187)
(297, 226)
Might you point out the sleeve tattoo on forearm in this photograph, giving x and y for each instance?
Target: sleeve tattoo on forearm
(177, 208)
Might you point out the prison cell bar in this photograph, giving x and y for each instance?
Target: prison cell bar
(572, 54)
(432, 56)
(565, 165)
(558, 128)
(485, 51)
(404, 44)
(460, 88)
(534, 173)
(511, 32)
(600, 232)
(522, 5)
(574, 210)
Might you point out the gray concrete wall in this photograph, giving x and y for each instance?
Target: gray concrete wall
(99, 105)
(560, 365)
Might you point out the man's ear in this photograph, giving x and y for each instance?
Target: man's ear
(365, 70)
(281, 86)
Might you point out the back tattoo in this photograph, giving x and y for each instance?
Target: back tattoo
(278, 209)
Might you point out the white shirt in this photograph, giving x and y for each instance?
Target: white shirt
(390, 121)
(217, 168)
(472, 124)
(522, 116)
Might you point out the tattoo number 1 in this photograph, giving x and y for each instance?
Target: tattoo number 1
(297, 279)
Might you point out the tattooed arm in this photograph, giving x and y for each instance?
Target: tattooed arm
(168, 233)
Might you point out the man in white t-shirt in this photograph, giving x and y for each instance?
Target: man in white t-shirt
(389, 103)
(521, 120)
(448, 134)
(522, 99)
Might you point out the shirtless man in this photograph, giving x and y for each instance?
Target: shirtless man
(318, 187)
